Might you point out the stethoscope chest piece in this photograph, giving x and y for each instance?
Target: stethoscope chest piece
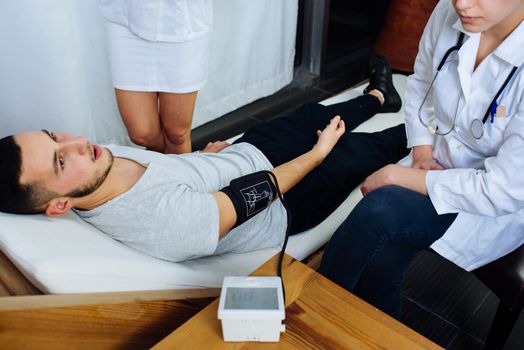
(477, 128)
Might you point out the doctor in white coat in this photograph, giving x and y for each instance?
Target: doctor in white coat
(461, 190)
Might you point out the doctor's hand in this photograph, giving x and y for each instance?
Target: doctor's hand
(396, 175)
(423, 158)
(427, 164)
(328, 138)
(215, 147)
(379, 179)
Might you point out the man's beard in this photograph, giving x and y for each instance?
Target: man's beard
(88, 189)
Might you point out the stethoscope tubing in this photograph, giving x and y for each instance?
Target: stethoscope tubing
(434, 130)
(510, 75)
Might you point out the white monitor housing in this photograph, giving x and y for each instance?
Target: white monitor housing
(252, 309)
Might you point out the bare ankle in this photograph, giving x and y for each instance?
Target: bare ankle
(379, 95)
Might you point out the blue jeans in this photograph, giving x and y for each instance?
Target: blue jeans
(373, 248)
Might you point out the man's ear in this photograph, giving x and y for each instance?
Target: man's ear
(58, 206)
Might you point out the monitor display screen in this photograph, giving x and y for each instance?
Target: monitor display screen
(239, 298)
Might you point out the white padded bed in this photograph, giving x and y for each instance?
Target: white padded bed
(66, 255)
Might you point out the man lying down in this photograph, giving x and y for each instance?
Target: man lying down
(179, 207)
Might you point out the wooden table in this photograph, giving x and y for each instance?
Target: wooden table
(319, 315)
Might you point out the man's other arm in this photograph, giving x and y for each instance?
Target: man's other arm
(287, 174)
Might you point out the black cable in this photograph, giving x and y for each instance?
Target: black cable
(289, 219)
(490, 107)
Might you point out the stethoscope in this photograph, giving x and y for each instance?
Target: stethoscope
(477, 125)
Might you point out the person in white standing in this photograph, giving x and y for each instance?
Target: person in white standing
(461, 191)
(158, 52)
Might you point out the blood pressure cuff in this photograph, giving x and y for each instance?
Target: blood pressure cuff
(250, 195)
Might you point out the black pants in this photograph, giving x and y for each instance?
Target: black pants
(355, 156)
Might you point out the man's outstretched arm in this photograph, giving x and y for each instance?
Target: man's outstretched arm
(287, 174)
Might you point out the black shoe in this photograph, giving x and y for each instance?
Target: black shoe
(380, 79)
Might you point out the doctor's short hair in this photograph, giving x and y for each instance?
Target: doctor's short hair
(14, 197)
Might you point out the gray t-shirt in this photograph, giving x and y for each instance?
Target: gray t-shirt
(170, 213)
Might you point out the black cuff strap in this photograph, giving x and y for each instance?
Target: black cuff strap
(250, 194)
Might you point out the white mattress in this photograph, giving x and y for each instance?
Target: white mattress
(66, 255)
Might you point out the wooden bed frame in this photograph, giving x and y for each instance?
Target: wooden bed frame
(117, 320)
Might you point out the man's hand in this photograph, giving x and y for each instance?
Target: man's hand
(396, 175)
(288, 173)
(328, 138)
(215, 147)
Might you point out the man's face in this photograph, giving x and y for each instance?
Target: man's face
(65, 164)
(480, 15)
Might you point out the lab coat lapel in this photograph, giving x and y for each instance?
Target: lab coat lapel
(467, 55)
(510, 50)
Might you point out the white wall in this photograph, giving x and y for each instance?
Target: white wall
(54, 70)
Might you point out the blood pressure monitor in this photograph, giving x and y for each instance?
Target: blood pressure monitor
(252, 309)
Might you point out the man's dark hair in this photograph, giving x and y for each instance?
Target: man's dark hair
(15, 197)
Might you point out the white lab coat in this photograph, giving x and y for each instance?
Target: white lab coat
(161, 20)
(484, 179)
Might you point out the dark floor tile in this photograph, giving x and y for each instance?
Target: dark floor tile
(444, 289)
(221, 129)
(464, 341)
(343, 71)
(480, 322)
(516, 338)
(336, 84)
(450, 306)
(305, 87)
(428, 324)
(292, 101)
(302, 89)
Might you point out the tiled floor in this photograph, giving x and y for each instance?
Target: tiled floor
(441, 301)
(450, 306)
(304, 88)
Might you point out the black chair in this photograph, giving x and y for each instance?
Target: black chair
(505, 278)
